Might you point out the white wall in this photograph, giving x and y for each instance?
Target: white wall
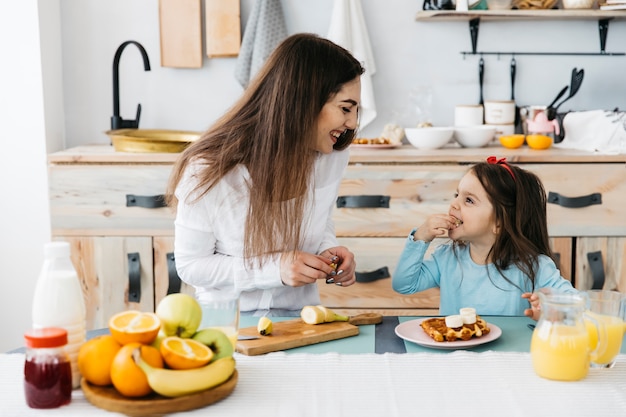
(408, 54)
(56, 90)
(25, 222)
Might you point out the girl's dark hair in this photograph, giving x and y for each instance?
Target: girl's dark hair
(271, 130)
(519, 202)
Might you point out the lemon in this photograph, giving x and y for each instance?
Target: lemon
(539, 141)
(512, 141)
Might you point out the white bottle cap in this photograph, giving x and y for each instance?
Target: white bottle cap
(57, 250)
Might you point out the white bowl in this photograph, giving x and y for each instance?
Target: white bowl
(429, 137)
(474, 136)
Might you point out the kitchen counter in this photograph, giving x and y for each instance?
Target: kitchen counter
(399, 155)
(334, 379)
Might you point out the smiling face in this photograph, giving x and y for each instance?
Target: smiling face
(472, 206)
(338, 115)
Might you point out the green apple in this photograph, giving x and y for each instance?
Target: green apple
(216, 340)
(180, 315)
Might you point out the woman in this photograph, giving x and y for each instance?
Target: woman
(254, 195)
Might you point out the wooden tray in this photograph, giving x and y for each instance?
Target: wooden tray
(154, 405)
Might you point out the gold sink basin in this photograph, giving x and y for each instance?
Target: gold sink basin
(151, 140)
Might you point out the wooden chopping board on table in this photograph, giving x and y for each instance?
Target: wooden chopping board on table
(296, 333)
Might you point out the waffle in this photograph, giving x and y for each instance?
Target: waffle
(437, 329)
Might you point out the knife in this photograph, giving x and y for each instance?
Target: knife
(243, 337)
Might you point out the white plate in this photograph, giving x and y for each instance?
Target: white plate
(375, 145)
(413, 332)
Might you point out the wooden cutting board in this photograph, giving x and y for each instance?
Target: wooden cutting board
(180, 23)
(109, 399)
(223, 28)
(295, 333)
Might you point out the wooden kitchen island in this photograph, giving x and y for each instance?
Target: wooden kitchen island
(96, 195)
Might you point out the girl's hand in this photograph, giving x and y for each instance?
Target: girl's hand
(346, 267)
(436, 225)
(534, 312)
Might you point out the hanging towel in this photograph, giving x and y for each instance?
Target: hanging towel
(348, 29)
(264, 30)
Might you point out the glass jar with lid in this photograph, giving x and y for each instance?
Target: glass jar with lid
(47, 369)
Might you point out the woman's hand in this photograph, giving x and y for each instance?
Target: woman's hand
(346, 267)
(534, 312)
(302, 268)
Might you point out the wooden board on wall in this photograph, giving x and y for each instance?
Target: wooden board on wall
(180, 23)
(223, 28)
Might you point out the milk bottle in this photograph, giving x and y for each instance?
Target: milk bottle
(59, 302)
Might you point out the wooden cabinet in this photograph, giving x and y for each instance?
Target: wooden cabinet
(123, 254)
(89, 189)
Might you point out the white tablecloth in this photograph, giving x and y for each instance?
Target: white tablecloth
(461, 383)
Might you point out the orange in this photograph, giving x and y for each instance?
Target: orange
(512, 141)
(179, 353)
(127, 376)
(539, 141)
(134, 326)
(95, 357)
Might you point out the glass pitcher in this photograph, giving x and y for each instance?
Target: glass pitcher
(560, 344)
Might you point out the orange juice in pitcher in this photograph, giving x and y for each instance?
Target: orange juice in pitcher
(560, 346)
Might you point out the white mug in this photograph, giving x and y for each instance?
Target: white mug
(468, 115)
(500, 112)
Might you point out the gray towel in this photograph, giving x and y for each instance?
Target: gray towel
(264, 30)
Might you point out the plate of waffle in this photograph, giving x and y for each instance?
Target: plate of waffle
(432, 332)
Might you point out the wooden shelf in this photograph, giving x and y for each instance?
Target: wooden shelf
(474, 17)
(552, 14)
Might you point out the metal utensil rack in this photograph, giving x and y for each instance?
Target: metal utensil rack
(475, 17)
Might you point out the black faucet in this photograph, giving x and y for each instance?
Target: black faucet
(116, 121)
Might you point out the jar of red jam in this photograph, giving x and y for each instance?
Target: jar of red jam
(47, 369)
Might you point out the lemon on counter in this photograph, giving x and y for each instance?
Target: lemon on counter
(512, 141)
(539, 141)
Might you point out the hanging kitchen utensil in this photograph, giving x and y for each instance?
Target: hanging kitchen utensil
(481, 76)
(577, 80)
(518, 120)
(558, 97)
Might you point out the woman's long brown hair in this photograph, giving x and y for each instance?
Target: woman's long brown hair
(271, 130)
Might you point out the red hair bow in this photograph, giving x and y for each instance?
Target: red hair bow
(501, 161)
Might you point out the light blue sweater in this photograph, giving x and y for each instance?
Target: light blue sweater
(463, 283)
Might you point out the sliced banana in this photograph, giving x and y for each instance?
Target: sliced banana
(454, 321)
(467, 310)
(469, 318)
(265, 326)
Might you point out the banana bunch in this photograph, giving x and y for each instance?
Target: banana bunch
(320, 314)
(176, 383)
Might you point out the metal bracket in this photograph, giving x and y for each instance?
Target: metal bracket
(603, 27)
(474, 24)
(597, 269)
(371, 276)
(134, 278)
(173, 279)
(574, 202)
(363, 201)
(145, 201)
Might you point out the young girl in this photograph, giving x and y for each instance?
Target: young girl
(499, 252)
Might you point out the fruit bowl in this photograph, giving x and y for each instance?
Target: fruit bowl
(429, 137)
(108, 398)
(474, 136)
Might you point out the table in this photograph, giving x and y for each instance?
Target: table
(346, 378)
